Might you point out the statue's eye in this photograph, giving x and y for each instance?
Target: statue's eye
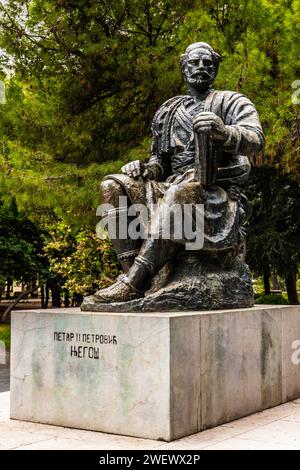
(193, 62)
(207, 62)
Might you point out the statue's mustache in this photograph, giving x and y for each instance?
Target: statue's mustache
(203, 73)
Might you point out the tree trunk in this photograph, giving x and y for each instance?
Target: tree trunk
(2, 289)
(56, 300)
(267, 280)
(8, 286)
(33, 294)
(275, 281)
(77, 300)
(291, 287)
(43, 296)
(12, 306)
(66, 298)
(47, 296)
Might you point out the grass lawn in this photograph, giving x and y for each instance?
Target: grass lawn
(5, 334)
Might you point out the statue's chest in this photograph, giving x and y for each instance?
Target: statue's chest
(182, 129)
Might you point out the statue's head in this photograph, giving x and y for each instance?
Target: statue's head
(199, 65)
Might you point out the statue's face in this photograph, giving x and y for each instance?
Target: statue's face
(200, 70)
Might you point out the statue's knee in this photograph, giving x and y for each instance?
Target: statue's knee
(110, 191)
(182, 194)
(173, 195)
(108, 185)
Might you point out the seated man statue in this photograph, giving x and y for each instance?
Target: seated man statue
(200, 155)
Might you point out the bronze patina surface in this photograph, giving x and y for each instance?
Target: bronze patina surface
(200, 155)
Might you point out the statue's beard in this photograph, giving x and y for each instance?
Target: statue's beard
(201, 80)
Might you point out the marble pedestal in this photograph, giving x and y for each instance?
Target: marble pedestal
(152, 375)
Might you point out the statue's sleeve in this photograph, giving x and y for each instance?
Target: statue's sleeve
(156, 162)
(159, 162)
(245, 132)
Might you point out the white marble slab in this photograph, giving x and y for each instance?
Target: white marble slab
(151, 375)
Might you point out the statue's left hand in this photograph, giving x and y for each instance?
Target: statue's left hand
(212, 125)
(136, 169)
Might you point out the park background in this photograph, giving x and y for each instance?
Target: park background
(83, 80)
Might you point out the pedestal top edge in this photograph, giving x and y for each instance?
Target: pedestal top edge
(77, 311)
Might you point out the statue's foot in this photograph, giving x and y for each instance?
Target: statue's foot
(120, 291)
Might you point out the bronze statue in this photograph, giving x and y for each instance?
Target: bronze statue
(200, 155)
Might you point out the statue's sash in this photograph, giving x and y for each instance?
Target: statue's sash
(206, 154)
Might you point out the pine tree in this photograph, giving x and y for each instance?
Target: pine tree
(84, 79)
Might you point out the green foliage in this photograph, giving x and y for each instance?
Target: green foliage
(88, 71)
(5, 334)
(274, 227)
(79, 261)
(83, 81)
(20, 246)
(272, 299)
(85, 78)
(258, 287)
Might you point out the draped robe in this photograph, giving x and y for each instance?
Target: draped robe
(172, 163)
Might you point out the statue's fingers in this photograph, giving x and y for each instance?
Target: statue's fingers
(200, 117)
(125, 170)
(138, 167)
(203, 125)
(146, 173)
(136, 171)
(207, 117)
(131, 167)
(207, 113)
(204, 130)
(203, 121)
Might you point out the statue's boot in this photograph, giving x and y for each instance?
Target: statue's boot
(120, 291)
(152, 257)
(154, 254)
(125, 248)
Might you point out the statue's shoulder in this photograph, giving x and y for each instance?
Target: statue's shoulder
(162, 122)
(172, 101)
(229, 97)
(168, 106)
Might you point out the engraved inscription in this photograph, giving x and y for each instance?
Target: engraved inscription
(82, 351)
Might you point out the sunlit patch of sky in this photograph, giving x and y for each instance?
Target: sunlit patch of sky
(6, 63)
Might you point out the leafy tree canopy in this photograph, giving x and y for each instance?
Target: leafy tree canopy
(84, 79)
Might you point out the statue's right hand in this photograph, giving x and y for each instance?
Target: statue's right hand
(134, 169)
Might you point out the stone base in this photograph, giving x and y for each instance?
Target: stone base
(156, 375)
(193, 285)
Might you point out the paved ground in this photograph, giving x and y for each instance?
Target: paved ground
(277, 428)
